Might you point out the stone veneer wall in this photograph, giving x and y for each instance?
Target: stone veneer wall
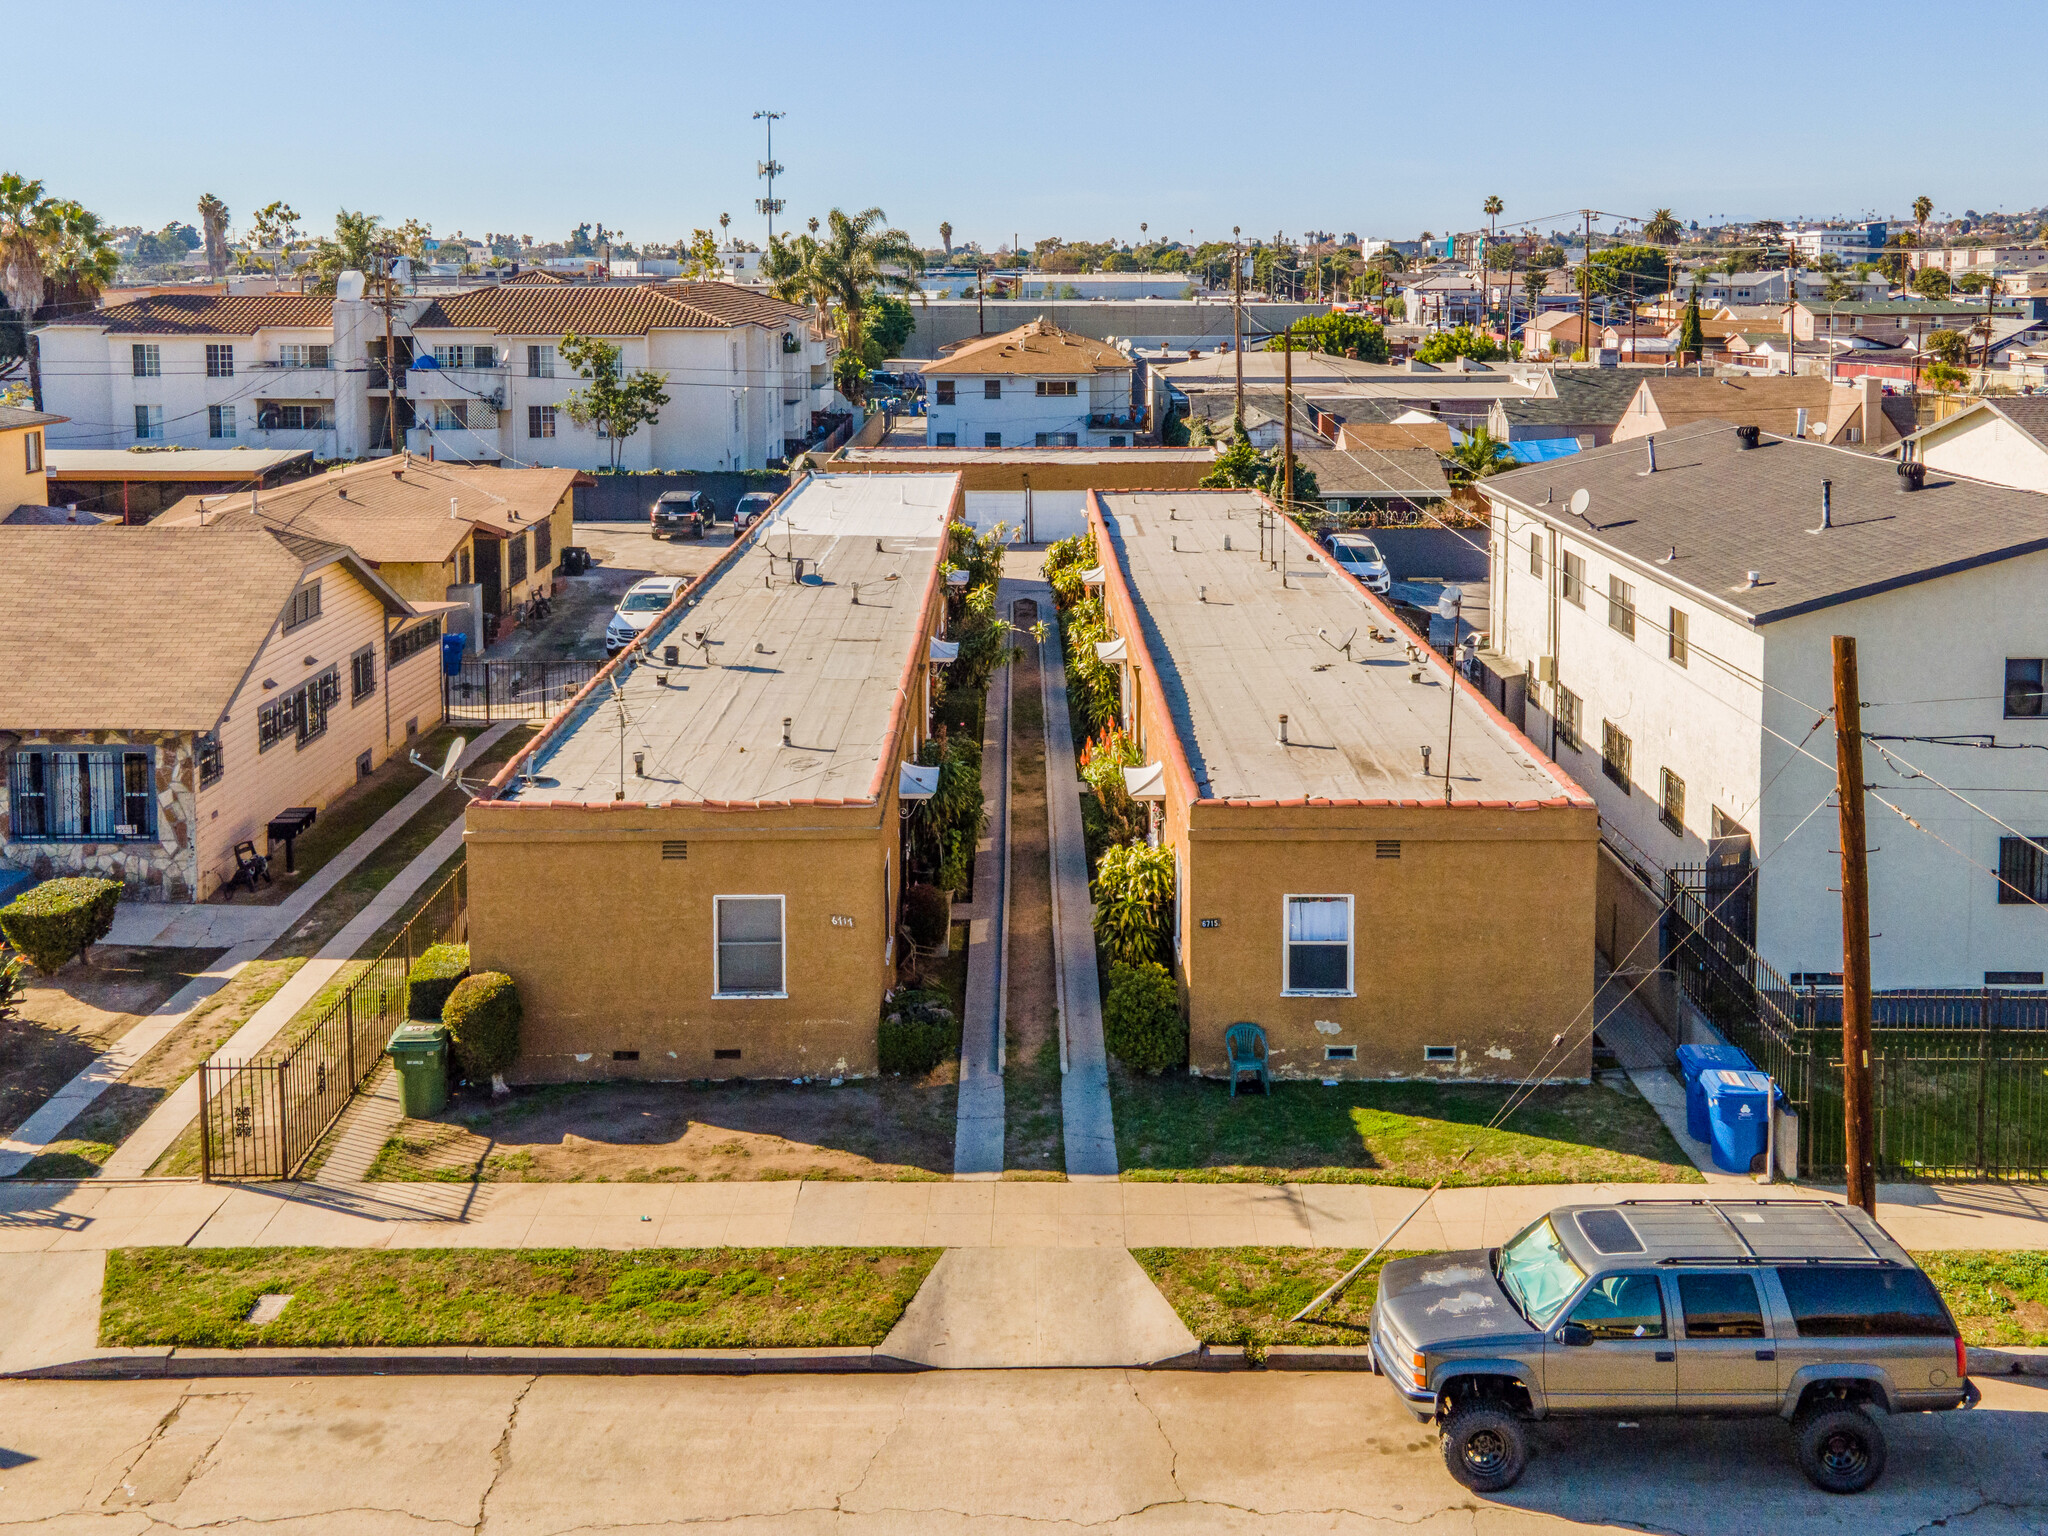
(164, 870)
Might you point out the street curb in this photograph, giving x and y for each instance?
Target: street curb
(467, 1360)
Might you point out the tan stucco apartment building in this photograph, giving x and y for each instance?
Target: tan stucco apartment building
(1326, 888)
(24, 480)
(694, 871)
(171, 690)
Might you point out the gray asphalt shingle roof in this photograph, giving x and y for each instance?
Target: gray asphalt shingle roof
(1728, 511)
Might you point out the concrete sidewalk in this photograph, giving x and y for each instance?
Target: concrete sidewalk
(203, 925)
(1085, 1115)
(979, 1112)
(85, 1216)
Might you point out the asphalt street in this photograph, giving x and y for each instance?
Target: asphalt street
(939, 1452)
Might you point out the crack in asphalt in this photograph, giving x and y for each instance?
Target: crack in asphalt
(501, 1454)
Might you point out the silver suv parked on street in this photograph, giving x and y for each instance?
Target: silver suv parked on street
(1802, 1309)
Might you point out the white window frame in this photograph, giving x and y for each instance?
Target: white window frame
(220, 422)
(540, 421)
(782, 916)
(540, 362)
(149, 423)
(1350, 943)
(148, 359)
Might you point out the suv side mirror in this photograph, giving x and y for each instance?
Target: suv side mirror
(1575, 1334)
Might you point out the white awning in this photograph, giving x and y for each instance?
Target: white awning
(956, 578)
(1111, 650)
(914, 781)
(1094, 576)
(944, 651)
(1147, 782)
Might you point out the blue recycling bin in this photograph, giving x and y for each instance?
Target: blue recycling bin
(1696, 1059)
(451, 654)
(1738, 1117)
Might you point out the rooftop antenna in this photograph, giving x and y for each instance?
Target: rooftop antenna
(447, 769)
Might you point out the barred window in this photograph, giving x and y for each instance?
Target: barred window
(220, 361)
(515, 560)
(303, 608)
(543, 546)
(408, 643)
(102, 794)
(1671, 799)
(362, 675)
(945, 391)
(210, 766)
(2023, 870)
(991, 389)
(1568, 717)
(1615, 751)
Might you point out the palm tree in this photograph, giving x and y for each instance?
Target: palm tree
(860, 256)
(24, 241)
(1480, 455)
(1922, 208)
(82, 258)
(50, 251)
(356, 247)
(213, 220)
(946, 237)
(1662, 228)
(793, 273)
(1493, 208)
(724, 220)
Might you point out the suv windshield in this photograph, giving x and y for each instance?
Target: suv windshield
(1536, 1272)
(1358, 551)
(644, 602)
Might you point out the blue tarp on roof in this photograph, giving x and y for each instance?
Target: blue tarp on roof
(1538, 449)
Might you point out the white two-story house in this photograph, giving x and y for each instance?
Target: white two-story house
(1035, 387)
(478, 374)
(1674, 633)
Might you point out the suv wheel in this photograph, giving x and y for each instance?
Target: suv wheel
(1841, 1449)
(1484, 1447)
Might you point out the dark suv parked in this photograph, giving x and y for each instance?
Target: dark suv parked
(1802, 1309)
(681, 514)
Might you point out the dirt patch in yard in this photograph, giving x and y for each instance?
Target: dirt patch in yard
(888, 1128)
(1034, 1140)
(68, 1019)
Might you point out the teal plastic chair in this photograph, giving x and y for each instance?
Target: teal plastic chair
(1245, 1044)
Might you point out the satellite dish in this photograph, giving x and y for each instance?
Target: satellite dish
(454, 756)
(1447, 603)
(1581, 499)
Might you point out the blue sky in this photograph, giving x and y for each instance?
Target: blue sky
(1043, 119)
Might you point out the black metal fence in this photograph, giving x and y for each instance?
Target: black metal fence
(259, 1119)
(513, 690)
(1959, 1077)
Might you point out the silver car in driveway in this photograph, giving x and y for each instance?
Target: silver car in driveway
(1801, 1309)
(1358, 555)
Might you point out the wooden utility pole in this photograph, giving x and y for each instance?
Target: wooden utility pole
(1857, 1126)
(1586, 289)
(1237, 318)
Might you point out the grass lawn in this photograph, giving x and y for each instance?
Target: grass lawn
(1245, 1295)
(1174, 1127)
(1997, 1298)
(668, 1298)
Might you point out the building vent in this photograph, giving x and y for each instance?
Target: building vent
(1340, 1053)
(1387, 848)
(1912, 475)
(675, 850)
(732, 1054)
(1746, 436)
(1439, 1053)
(625, 1055)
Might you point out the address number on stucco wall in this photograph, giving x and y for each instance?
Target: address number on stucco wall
(840, 920)
(1212, 922)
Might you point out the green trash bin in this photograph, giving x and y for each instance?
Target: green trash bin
(420, 1053)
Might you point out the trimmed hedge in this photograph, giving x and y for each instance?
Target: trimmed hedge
(928, 916)
(918, 1032)
(60, 919)
(1141, 1022)
(433, 976)
(482, 1014)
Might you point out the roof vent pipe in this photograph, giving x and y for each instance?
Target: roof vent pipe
(1753, 579)
(1827, 506)
(453, 515)
(1799, 429)
(1912, 475)
(1650, 449)
(1745, 437)
(1283, 730)
(785, 730)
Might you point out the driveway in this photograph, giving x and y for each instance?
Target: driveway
(947, 1451)
(620, 554)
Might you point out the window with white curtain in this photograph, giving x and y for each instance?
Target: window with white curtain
(1318, 946)
(749, 930)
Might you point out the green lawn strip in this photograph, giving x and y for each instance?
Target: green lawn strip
(1245, 1295)
(671, 1298)
(1998, 1298)
(1178, 1128)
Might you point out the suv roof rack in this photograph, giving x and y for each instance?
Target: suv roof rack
(1787, 1262)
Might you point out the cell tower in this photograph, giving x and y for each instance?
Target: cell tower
(771, 204)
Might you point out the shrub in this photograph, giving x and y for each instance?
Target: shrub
(13, 977)
(1141, 1022)
(1133, 894)
(432, 978)
(918, 1031)
(928, 916)
(482, 1015)
(60, 919)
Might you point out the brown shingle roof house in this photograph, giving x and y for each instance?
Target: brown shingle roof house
(1036, 349)
(187, 685)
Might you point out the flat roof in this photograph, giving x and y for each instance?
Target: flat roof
(1227, 667)
(772, 648)
(167, 463)
(885, 454)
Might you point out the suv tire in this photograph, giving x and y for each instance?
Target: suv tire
(1484, 1447)
(1841, 1449)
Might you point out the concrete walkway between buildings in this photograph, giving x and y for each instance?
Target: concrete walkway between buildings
(984, 1308)
(978, 1128)
(104, 1213)
(203, 925)
(1084, 1092)
(1639, 1043)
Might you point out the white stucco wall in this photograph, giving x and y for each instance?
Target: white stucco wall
(1987, 447)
